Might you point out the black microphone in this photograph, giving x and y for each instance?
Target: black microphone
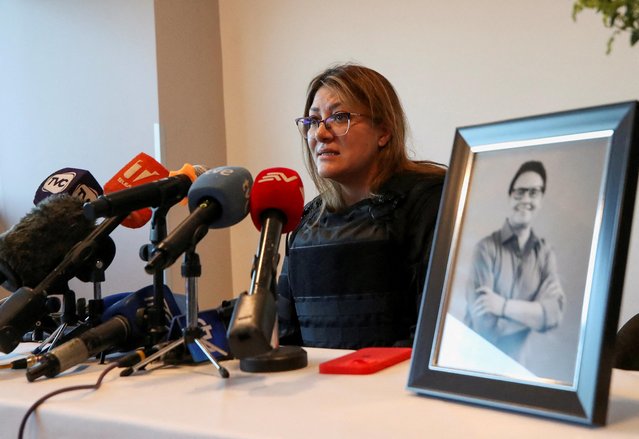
(39, 243)
(52, 244)
(217, 199)
(93, 341)
(40, 240)
(123, 328)
(55, 224)
(26, 306)
(18, 315)
(277, 202)
(627, 345)
(164, 192)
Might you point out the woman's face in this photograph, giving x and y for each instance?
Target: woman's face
(526, 199)
(352, 159)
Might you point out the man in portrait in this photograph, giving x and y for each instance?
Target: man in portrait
(514, 287)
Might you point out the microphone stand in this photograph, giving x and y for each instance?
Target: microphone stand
(156, 317)
(279, 358)
(82, 252)
(192, 333)
(96, 305)
(254, 318)
(67, 317)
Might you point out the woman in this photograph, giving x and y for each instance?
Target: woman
(356, 264)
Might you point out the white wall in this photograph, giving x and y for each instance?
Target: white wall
(78, 88)
(83, 85)
(454, 63)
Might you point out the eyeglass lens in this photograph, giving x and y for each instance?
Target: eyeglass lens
(338, 123)
(533, 192)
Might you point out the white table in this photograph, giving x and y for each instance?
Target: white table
(195, 402)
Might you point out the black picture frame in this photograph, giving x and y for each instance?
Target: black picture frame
(591, 156)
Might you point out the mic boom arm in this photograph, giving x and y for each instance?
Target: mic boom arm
(80, 252)
(185, 236)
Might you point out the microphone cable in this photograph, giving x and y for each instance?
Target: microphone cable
(39, 402)
(126, 361)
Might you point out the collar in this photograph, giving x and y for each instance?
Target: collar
(507, 234)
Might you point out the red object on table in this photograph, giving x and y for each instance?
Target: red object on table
(365, 361)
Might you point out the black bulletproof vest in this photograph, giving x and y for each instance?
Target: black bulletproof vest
(346, 278)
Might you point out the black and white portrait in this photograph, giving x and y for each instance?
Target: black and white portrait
(521, 302)
(520, 276)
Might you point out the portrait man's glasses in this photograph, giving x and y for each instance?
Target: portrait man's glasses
(338, 123)
(533, 192)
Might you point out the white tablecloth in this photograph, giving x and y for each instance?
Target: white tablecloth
(195, 402)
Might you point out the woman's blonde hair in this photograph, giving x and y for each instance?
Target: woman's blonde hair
(355, 84)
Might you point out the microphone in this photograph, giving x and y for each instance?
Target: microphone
(18, 315)
(164, 192)
(22, 261)
(40, 240)
(217, 199)
(21, 249)
(78, 183)
(21, 254)
(123, 328)
(140, 170)
(277, 203)
(627, 345)
(33, 251)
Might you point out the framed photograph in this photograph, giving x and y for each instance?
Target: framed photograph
(521, 303)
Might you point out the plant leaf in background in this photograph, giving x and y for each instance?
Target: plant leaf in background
(619, 15)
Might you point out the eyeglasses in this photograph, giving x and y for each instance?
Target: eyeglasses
(338, 123)
(533, 192)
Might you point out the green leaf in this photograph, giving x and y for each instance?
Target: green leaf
(609, 45)
(619, 15)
